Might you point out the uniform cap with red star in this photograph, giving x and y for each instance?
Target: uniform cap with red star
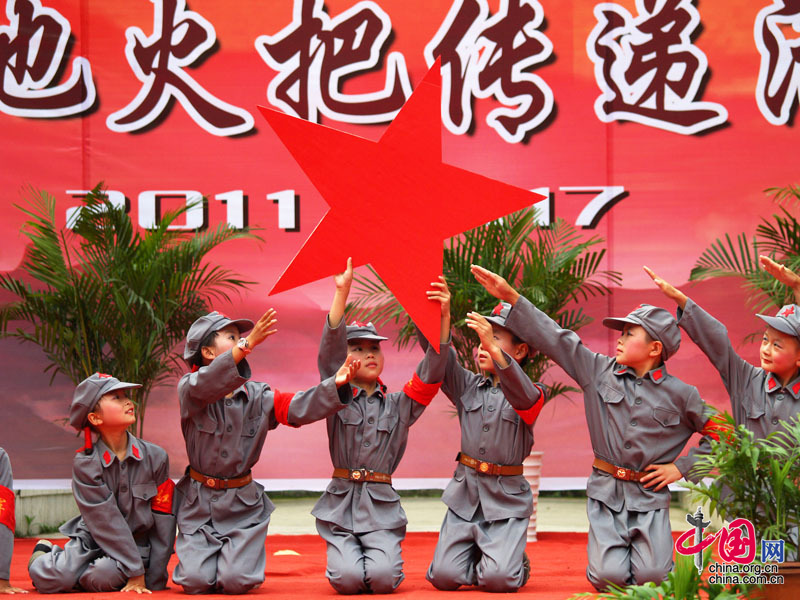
(786, 320)
(656, 321)
(87, 394)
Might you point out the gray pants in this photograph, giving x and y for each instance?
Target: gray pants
(479, 552)
(363, 562)
(79, 566)
(230, 564)
(627, 547)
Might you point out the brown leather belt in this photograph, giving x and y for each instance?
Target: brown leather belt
(487, 468)
(362, 475)
(220, 483)
(618, 472)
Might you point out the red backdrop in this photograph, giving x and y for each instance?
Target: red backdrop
(692, 126)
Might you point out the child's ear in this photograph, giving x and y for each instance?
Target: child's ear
(94, 418)
(521, 351)
(207, 352)
(656, 349)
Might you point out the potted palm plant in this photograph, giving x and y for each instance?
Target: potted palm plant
(758, 480)
(554, 266)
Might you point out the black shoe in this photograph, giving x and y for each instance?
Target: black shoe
(42, 547)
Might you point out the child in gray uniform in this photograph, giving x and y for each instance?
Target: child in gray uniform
(123, 538)
(359, 515)
(639, 417)
(7, 525)
(761, 398)
(223, 514)
(489, 502)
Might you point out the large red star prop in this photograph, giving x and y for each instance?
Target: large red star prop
(393, 203)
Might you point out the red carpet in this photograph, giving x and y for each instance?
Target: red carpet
(558, 562)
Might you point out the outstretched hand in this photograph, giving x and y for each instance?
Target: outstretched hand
(347, 371)
(440, 293)
(670, 291)
(660, 476)
(783, 274)
(263, 328)
(7, 588)
(495, 284)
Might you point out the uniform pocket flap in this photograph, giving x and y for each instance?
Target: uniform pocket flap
(144, 491)
(666, 417)
(610, 395)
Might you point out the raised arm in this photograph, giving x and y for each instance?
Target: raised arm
(333, 344)
(539, 331)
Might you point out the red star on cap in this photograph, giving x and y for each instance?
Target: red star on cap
(497, 309)
(104, 376)
(398, 189)
(789, 310)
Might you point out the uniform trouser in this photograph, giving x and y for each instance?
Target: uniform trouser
(479, 552)
(230, 563)
(363, 562)
(6, 547)
(627, 547)
(78, 566)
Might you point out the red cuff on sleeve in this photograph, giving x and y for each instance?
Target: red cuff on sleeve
(531, 414)
(419, 391)
(713, 429)
(162, 503)
(7, 508)
(282, 402)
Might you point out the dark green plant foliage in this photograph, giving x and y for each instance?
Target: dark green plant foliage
(762, 476)
(777, 237)
(552, 266)
(105, 298)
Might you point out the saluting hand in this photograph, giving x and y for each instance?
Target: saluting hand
(347, 371)
(783, 274)
(669, 290)
(495, 284)
(263, 328)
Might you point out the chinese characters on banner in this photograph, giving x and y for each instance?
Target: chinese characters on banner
(647, 66)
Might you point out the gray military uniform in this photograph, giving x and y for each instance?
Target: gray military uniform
(222, 533)
(633, 422)
(364, 524)
(758, 400)
(482, 539)
(117, 535)
(6, 535)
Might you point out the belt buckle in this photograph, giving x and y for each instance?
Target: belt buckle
(211, 482)
(623, 473)
(358, 474)
(483, 467)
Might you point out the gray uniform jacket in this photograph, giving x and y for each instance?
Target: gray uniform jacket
(370, 433)
(6, 535)
(492, 431)
(224, 437)
(114, 497)
(632, 421)
(758, 400)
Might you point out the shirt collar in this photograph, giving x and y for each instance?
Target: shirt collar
(134, 451)
(380, 390)
(771, 384)
(656, 375)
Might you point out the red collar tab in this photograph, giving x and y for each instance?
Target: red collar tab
(771, 382)
(796, 388)
(497, 309)
(789, 310)
(195, 369)
(621, 370)
(107, 458)
(135, 451)
(657, 374)
(356, 391)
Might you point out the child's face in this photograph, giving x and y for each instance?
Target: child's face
(633, 347)
(226, 338)
(780, 354)
(114, 410)
(504, 340)
(371, 356)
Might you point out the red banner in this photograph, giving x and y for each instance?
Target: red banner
(655, 124)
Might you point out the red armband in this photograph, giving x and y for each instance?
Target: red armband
(531, 414)
(281, 402)
(7, 508)
(419, 391)
(162, 503)
(713, 429)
